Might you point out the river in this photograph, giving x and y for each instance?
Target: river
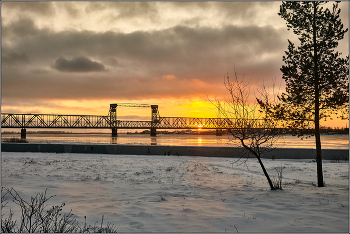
(287, 141)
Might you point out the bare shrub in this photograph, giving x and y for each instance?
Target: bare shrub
(35, 217)
(277, 181)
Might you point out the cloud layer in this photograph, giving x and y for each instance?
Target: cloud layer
(136, 50)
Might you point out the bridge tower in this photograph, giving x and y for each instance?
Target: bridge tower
(114, 123)
(155, 119)
(113, 119)
(218, 130)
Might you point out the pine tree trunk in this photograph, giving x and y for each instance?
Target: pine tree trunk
(317, 107)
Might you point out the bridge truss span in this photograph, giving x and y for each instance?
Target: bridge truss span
(53, 121)
(212, 123)
(105, 122)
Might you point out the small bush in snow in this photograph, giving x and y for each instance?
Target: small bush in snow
(35, 217)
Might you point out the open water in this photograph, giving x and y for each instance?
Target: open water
(288, 141)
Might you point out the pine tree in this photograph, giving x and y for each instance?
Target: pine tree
(316, 76)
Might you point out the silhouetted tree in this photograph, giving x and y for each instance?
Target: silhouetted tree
(317, 77)
(255, 133)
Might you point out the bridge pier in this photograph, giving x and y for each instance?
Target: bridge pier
(23, 133)
(218, 132)
(114, 132)
(153, 132)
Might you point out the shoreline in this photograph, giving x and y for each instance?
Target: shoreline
(166, 150)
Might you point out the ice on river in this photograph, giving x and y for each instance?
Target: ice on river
(185, 194)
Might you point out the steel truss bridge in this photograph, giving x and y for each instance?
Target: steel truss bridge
(25, 121)
(104, 122)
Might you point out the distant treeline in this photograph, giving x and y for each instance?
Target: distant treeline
(48, 132)
(324, 130)
(327, 130)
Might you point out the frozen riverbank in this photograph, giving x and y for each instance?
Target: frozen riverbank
(185, 194)
(208, 151)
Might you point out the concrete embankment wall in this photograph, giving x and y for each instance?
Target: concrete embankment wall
(280, 153)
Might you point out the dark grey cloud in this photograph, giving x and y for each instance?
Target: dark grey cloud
(39, 71)
(40, 8)
(196, 13)
(244, 9)
(127, 10)
(71, 9)
(138, 61)
(184, 50)
(55, 86)
(79, 64)
(228, 9)
(21, 28)
(14, 57)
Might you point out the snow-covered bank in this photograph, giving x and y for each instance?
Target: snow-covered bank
(207, 151)
(185, 194)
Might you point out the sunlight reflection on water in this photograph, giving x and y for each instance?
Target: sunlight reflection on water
(288, 141)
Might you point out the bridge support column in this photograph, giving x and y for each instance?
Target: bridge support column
(23, 133)
(218, 132)
(153, 132)
(114, 132)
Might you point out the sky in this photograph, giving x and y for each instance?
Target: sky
(78, 57)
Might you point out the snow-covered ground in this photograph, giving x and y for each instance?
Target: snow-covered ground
(185, 194)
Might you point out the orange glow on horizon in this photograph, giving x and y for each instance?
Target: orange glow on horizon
(192, 108)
